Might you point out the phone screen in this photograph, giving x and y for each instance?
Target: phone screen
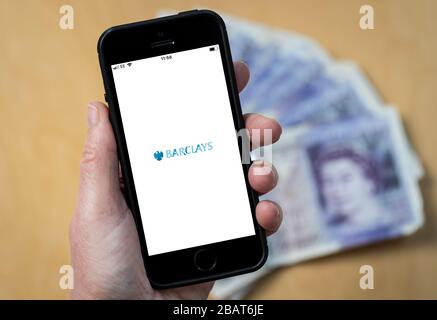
(183, 150)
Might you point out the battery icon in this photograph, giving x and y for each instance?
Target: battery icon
(215, 48)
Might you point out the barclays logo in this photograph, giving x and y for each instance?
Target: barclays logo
(158, 155)
(183, 151)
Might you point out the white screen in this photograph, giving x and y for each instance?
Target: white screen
(178, 104)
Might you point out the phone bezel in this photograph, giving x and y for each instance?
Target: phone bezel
(190, 30)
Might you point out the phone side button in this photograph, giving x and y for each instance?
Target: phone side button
(205, 260)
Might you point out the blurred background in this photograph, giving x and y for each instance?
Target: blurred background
(49, 74)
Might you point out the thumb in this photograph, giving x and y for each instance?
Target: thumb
(99, 187)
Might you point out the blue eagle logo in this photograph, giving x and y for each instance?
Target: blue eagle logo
(158, 155)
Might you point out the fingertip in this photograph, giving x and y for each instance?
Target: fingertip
(277, 129)
(269, 216)
(242, 74)
(263, 176)
(97, 103)
(274, 125)
(100, 106)
(100, 148)
(255, 121)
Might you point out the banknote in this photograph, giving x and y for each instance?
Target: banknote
(296, 91)
(348, 174)
(270, 55)
(342, 185)
(349, 185)
(327, 90)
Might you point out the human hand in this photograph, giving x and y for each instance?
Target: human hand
(105, 248)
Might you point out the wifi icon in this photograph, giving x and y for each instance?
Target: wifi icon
(129, 64)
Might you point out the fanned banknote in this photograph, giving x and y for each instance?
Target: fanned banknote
(348, 175)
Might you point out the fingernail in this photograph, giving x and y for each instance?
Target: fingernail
(258, 163)
(261, 168)
(93, 115)
(275, 175)
(278, 212)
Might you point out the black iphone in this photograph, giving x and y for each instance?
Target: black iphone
(175, 111)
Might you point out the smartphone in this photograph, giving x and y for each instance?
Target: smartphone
(175, 112)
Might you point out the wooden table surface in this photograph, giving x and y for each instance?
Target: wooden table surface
(48, 76)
